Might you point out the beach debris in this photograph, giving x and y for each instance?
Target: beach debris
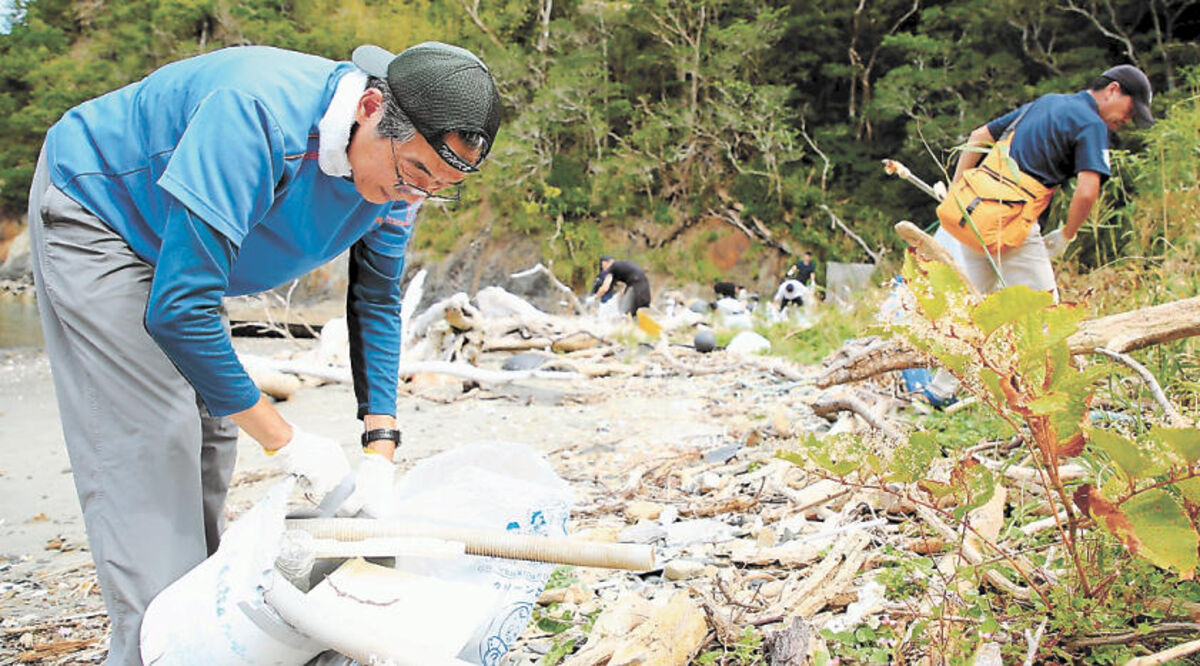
(747, 343)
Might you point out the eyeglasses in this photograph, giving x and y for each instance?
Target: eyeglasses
(402, 184)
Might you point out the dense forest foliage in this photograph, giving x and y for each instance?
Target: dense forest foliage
(642, 119)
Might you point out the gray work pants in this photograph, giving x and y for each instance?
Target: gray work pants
(1026, 264)
(151, 467)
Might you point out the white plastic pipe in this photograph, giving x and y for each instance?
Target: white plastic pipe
(359, 642)
(386, 547)
(635, 557)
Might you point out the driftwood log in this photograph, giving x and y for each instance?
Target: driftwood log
(931, 250)
(540, 269)
(1120, 333)
(408, 369)
(828, 406)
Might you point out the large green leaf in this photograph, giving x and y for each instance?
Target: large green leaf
(1078, 383)
(1123, 452)
(1062, 321)
(991, 382)
(794, 457)
(1167, 537)
(943, 282)
(1190, 489)
(1058, 363)
(1050, 403)
(1008, 305)
(1032, 364)
(1078, 386)
(958, 364)
(1184, 441)
(932, 303)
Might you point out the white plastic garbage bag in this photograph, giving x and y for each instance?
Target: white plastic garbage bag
(488, 485)
(216, 614)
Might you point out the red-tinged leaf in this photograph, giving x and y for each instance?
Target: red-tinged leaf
(1071, 446)
(1166, 533)
(958, 475)
(1108, 515)
(1012, 394)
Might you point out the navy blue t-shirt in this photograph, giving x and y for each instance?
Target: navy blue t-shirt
(1060, 136)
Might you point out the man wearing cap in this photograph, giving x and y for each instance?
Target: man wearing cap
(1057, 137)
(230, 173)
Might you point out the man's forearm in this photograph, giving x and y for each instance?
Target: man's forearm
(1077, 214)
(265, 424)
(1087, 190)
(604, 286)
(969, 156)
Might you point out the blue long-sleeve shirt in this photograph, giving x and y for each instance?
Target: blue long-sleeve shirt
(208, 169)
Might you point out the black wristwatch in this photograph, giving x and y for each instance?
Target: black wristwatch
(379, 434)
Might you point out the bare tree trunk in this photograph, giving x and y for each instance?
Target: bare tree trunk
(696, 64)
(544, 15)
(1158, 37)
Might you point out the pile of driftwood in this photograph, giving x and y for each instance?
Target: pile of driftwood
(452, 338)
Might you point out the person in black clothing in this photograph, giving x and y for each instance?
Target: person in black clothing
(637, 287)
(803, 270)
(726, 289)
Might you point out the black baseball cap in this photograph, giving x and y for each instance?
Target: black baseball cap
(1135, 84)
(442, 89)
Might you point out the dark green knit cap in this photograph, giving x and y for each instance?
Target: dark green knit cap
(442, 89)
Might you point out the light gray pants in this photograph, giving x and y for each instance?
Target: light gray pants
(1027, 264)
(151, 467)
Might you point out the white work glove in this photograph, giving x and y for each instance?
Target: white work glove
(589, 301)
(373, 487)
(1055, 243)
(318, 461)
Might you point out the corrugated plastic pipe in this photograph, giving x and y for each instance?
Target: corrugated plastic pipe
(635, 557)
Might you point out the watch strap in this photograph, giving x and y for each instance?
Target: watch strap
(378, 434)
